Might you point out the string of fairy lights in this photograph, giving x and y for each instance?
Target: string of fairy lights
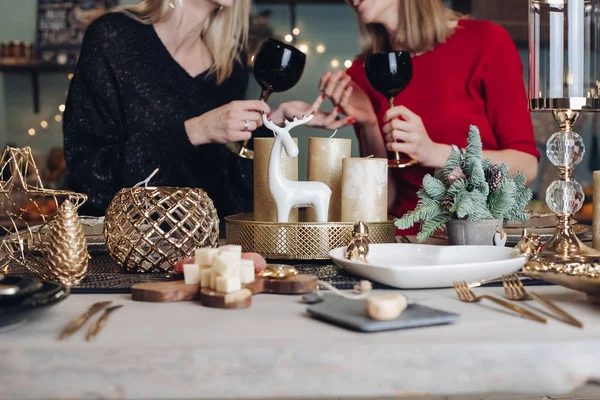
(319, 48)
(57, 118)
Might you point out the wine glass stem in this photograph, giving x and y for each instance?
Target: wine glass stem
(396, 154)
(264, 96)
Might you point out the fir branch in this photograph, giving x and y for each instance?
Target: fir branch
(486, 163)
(422, 194)
(503, 199)
(463, 205)
(505, 170)
(408, 220)
(477, 177)
(429, 227)
(470, 205)
(479, 210)
(454, 160)
(456, 188)
(520, 180)
(435, 188)
(474, 148)
(474, 163)
(517, 215)
(426, 209)
(439, 175)
(523, 196)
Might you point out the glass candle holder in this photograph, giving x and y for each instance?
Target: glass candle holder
(563, 79)
(563, 56)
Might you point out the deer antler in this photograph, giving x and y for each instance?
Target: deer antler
(270, 124)
(296, 122)
(288, 125)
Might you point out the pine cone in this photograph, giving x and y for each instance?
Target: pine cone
(494, 176)
(447, 204)
(456, 175)
(66, 253)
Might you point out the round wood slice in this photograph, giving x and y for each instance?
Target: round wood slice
(236, 300)
(299, 284)
(255, 287)
(163, 292)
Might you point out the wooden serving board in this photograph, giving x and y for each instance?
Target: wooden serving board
(178, 291)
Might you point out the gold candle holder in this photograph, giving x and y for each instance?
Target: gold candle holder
(563, 80)
(364, 189)
(325, 157)
(596, 217)
(265, 208)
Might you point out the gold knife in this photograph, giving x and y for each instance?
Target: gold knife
(78, 322)
(99, 324)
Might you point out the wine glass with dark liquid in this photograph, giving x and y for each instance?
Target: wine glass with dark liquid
(389, 74)
(278, 67)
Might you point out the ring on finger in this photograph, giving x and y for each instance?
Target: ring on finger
(246, 125)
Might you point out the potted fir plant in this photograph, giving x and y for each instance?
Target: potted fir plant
(471, 195)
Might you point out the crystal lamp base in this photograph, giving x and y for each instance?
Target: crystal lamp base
(564, 253)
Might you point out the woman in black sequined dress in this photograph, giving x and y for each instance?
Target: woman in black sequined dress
(161, 85)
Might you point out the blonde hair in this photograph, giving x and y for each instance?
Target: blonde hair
(423, 24)
(225, 31)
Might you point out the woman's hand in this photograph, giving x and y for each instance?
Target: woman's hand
(232, 122)
(292, 109)
(413, 137)
(348, 96)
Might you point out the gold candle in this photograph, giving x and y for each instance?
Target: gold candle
(364, 189)
(596, 217)
(265, 209)
(325, 165)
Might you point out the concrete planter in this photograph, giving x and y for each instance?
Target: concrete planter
(463, 232)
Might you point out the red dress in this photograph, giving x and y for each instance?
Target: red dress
(474, 78)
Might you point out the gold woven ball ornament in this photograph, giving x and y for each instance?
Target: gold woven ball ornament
(147, 229)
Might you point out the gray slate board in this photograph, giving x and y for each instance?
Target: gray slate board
(352, 314)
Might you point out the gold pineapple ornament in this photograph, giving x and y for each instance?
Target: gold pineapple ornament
(65, 253)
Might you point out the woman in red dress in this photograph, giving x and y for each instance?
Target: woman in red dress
(466, 72)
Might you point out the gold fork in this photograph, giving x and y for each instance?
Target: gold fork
(514, 290)
(78, 322)
(99, 324)
(465, 294)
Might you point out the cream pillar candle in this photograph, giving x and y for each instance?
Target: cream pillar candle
(596, 215)
(325, 157)
(265, 208)
(364, 189)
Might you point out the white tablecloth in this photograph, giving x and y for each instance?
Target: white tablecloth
(274, 350)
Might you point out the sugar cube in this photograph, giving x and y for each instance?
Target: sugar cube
(247, 271)
(228, 284)
(191, 274)
(226, 264)
(205, 256)
(230, 248)
(207, 278)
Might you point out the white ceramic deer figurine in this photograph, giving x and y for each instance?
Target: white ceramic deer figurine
(287, 193)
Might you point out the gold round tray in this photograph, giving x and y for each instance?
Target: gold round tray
(298, 240)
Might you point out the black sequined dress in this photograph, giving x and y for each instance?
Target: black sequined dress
(125, 115)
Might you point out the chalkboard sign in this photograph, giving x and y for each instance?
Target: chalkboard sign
(61, 25)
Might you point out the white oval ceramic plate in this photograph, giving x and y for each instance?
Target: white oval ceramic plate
(421, 266)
